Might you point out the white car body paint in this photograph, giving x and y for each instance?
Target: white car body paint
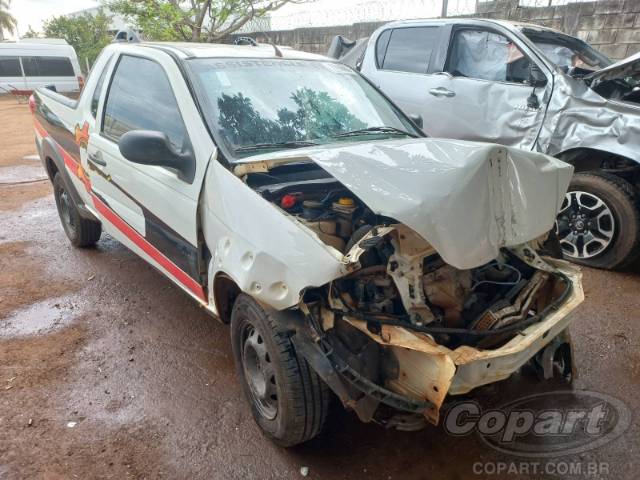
(268, 253)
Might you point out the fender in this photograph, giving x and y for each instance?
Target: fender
(49, 152)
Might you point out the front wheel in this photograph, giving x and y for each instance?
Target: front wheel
(288, 399)
(599, 222)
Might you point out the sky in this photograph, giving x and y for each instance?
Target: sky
(313, 13)
(33, 12)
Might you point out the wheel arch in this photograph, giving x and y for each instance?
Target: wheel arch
(586, 159)
(50, 167)
(54, 163)
(225, 293)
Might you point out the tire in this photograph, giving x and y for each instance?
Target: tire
(81, 232)
(298, 411)
(608, 221)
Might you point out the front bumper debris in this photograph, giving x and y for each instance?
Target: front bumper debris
(428, 372)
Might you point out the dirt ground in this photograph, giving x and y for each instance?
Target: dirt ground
(109, 371)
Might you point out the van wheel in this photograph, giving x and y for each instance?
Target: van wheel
(288, 399)
(80, 231)
(599, 222)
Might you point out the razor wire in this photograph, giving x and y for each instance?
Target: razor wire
(327, 13)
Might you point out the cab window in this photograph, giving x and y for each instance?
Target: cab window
(486, 55)
(95, 98)
(140, 97)
(406, 49)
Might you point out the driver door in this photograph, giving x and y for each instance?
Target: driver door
(150, 208)
(483, 91)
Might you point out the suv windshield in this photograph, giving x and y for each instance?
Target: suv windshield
(567, 52)
(261, 105)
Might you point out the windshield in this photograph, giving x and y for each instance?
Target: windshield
(567, 52)
(260, 105)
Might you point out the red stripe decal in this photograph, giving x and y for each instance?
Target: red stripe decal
(39, 128)
(149, 249)
(69, 161)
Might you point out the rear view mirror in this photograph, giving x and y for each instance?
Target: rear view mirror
(536, 77)
(148, 147)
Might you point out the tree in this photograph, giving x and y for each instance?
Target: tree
(31, 33)
(192, 20)
(7, 21)
(87, 34)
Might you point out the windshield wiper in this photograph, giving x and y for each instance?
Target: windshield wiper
(262, 146)
(375, 130)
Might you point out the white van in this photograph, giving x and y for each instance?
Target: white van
(32, 63)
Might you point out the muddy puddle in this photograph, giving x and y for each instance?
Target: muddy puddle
(16, 174)
(38, 318)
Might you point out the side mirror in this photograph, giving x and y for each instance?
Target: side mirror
(536, 76)
(148, 147)
(417, 119)
(51, 87)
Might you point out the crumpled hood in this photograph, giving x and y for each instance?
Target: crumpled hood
(466, 199)
(623, 68)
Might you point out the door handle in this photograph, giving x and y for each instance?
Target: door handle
(97, 159)
(442, 92)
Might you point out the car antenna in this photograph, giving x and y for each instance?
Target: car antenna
(245, 40)
(275, 47)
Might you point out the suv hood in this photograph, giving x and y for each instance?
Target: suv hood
(624, 68)
(468, 200)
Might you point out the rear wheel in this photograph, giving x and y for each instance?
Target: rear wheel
(81, 232)
(599, 222)
(288, 399)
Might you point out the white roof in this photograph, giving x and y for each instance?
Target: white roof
(34, 42)
(204, 50)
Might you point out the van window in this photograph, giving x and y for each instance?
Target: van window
(141, 98)
(10, 67)
(47, 67)
(487, 56)
(409, 49)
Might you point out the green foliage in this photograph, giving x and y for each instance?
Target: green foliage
(87, 34)
(192, 20)
(7, 21)
(159, 20)
(318, 115)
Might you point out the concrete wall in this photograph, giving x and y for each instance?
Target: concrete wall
(612, 26)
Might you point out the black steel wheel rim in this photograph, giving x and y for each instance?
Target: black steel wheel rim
(259, 372)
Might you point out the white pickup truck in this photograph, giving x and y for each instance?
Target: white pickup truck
(291, 199)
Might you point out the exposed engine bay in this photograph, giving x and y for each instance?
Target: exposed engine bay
(621, 89)
(398, 281)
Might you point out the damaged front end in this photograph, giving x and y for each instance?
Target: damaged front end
(422, 311)
(406, 329)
